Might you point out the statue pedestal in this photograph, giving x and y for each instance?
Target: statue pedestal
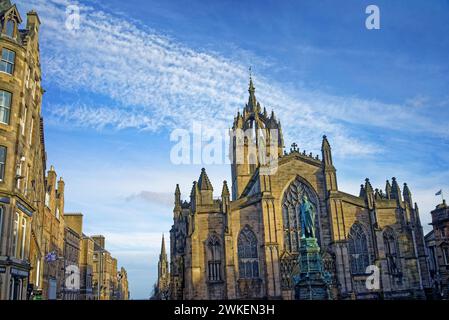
(312, 282)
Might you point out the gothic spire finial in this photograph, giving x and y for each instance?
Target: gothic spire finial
(163, 252)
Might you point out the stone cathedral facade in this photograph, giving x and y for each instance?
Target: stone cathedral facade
(246, 245)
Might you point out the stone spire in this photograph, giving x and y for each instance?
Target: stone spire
(362, 192)
(177, 197)
(163, 279)
(388, 190)
(204, 182)
(252, 101)
(225, 192)
(395, 190)
(407, 195)
(328, 167)
(326, 152)
(163, 255)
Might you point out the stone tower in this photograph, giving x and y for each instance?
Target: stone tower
(256, 138)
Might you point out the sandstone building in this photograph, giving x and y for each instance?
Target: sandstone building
(72, 255)
(246, 245)
(86, 268)
(437, 242)
(123, 286)
(22, 154)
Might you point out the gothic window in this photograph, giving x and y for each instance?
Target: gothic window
(214, 259)
(8, 60)
(291, 213)
(358, 249)
(391, 252)
(5, 106)
(248, 255)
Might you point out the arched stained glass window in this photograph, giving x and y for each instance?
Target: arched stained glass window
(248, 255)
(358, 249)
(291, 214)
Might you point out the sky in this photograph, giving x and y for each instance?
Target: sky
(135, 70)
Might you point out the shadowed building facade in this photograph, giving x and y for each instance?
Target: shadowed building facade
(437, 242)
(247, 246)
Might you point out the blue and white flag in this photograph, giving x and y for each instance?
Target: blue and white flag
(439, 193)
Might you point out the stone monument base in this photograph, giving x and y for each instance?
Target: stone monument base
(312, 282)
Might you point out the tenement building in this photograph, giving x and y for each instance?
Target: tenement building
(22, 154)
(437, 242)
(246, 245)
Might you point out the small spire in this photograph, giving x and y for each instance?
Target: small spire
(163, 252)
(362, 191)
(177, 196)
(225, 192)
(252, 102)
(204, 182)
(252, 89)
(388, 189)
(406, 193)
(368, 186)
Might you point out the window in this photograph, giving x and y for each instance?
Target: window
(27, 177)
(27, 78)
(358, 249)
(214, 259)
(38, 272)
(19, 175)
(1, 225)
(248, 255)
(22, 254)
(30, 138)
(57, 213)
(7, 62)
(291, 214)
(391, 252)
(5, 106)
(9, 29)
(47, 199)
(2, 162)
(15, 234)
(23, 120)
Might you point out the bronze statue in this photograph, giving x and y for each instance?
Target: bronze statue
(307, 218)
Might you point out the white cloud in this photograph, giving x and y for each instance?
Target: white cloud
(156, 82)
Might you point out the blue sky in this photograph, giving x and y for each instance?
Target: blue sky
(136, 70)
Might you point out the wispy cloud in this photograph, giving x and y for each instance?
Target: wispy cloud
(157, 82)
(165, 199)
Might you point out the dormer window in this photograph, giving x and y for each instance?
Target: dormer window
(9, 28)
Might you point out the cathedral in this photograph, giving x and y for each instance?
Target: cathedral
(247, 244)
